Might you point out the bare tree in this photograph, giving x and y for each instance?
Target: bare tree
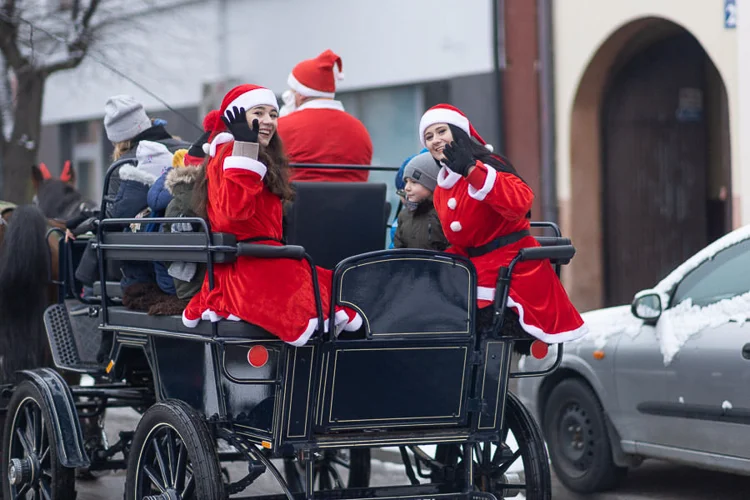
(36, 40)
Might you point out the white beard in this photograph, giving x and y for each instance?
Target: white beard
(289, 106)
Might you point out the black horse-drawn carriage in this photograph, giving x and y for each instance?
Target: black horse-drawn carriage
(419, 380)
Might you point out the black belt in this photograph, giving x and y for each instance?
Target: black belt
(498, 242)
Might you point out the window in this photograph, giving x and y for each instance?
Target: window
(725, 276)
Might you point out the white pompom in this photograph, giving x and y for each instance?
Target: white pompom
(452, 204)
(206, 147)
(489, 147)
(456, 226)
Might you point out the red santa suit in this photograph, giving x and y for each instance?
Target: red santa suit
(485, 205)
(275, 294)
(320, 131)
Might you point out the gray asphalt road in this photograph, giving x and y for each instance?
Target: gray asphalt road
(652, 481)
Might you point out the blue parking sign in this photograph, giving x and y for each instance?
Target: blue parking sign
(730, 14)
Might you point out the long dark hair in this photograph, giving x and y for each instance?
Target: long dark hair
(276, 180)
(481, 153)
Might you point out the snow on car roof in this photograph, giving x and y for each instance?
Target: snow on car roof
(667, 284)
(678, 324)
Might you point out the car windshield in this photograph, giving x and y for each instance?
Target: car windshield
(724, 276)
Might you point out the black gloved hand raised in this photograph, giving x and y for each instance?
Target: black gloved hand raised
(237, 124)
(458, 157)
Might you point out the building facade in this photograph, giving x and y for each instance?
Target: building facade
(649, 134)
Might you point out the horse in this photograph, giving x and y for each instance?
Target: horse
(29, 267)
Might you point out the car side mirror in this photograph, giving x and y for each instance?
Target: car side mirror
(647, 305)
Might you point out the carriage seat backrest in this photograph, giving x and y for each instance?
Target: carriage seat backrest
(409, 293)
(336, 220)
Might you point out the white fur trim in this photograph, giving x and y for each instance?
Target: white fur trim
(441, 115)
(190, 323)
(209, 315)
(245, 163)
(206, 147)
(312, 326)
(490, 147)
(452, 203)
(131, 173)
(485, 293)
(232, 317)
(447, 178)
(220, 139)
(354, 324)
(257, 97)
(322, 104)
(456, 226)
(550, 338)
(489, 182)
(305, 90)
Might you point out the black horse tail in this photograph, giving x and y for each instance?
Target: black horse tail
(24, 280)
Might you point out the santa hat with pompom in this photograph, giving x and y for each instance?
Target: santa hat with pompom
(445, 113)
(317, 77)
(245, 96)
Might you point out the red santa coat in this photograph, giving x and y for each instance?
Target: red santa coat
(487, 204)
(275, 294)
(321, 132)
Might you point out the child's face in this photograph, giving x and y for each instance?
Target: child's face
(415, 192)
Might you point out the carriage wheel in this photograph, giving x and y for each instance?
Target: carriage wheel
(29, 458)
(518, 464)
(328, 470)
(173, 457)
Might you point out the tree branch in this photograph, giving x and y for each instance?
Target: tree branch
(90, 12)
(75, 10)
(69, 63)
(9, 36)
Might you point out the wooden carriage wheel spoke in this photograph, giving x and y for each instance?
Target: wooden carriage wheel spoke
(153, 477)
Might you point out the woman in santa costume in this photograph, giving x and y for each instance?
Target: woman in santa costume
(483, 204)
(243, 195)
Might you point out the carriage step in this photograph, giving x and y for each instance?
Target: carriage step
(62, 342)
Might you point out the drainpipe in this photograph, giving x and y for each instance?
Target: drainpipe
(547, 111)
(498, 64)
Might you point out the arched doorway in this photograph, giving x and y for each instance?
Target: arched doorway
(650, 159)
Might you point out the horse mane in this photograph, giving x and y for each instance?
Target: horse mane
(24, 276)
(58, 199)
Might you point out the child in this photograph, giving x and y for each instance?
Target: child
(418, 223)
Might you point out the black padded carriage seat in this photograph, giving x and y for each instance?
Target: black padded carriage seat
(136, 319)
(337, 220)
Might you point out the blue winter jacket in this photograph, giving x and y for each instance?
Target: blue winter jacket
(158, 199)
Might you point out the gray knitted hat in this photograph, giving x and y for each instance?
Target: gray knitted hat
(423, 169)
(124, 118)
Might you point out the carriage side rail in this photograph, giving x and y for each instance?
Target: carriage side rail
(553, 253)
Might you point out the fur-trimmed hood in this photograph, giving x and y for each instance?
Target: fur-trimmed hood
(133, 173)
(181, 175)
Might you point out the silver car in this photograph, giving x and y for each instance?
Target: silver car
(666, 377)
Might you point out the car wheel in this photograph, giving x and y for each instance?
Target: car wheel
(576, 432)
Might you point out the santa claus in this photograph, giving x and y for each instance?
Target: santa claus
(316, 129)
(483, 204)
(246, 180)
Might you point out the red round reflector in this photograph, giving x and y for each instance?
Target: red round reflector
(539, 349)
(257, 356)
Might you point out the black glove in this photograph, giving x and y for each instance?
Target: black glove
(458, 157)
(237, 124)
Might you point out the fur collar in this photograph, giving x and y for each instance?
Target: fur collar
(133, 173)
(181, 175)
